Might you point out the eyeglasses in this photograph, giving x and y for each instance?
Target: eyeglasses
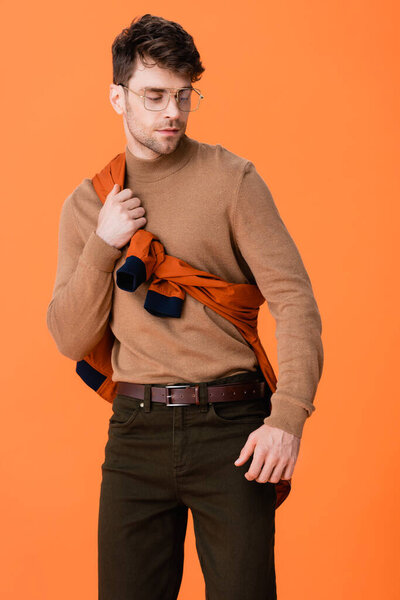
(187, 98)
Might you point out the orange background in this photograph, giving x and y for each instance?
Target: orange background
(309, 92)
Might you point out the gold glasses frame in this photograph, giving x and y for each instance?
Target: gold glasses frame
(169, 90)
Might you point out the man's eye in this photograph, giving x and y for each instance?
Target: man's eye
(154, 98)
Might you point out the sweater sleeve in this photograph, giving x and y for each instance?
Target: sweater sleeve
(272, 256)
(82, 295)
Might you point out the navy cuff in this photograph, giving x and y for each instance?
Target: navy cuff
(131, 274)
(163, 306)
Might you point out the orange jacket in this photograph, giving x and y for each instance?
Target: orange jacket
(171, 278)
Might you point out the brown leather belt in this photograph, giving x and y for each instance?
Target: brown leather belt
(183, 394)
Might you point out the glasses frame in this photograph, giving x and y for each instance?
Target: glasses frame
(169, 90)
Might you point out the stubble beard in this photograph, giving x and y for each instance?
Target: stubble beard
(151, 142)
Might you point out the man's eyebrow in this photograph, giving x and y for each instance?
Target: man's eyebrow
(160, 89)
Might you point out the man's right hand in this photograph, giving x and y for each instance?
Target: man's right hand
(120, 217)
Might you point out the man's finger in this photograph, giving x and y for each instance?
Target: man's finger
(256, 465)
(246, 451)
(270, 469)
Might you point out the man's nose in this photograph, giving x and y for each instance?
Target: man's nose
(172, 110)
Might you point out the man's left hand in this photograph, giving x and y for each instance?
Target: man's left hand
(275, 454)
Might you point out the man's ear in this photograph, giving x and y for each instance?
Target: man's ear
(116, 98)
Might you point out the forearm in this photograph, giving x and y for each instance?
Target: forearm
(79, 309)
(271, 254)
(300, 359)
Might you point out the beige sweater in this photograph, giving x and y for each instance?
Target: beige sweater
(211, 208)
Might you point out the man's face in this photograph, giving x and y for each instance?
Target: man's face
(143, 127)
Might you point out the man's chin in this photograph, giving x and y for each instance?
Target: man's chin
(168, 141)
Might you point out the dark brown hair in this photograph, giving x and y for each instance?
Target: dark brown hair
(165, 42)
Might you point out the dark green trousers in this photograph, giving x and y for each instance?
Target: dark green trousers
(161, 461)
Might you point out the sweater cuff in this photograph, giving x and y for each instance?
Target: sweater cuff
(287, 416)
(99, 254)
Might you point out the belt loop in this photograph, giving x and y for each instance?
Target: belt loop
(203, 396)
(147, 397)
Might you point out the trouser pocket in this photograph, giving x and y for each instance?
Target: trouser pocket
(125, 410)
(242, 411)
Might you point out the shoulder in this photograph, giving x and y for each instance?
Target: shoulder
(83, 195)
(85, 199)
(222, 159)
(81, 207)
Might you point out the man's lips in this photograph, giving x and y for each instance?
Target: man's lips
(168, 130)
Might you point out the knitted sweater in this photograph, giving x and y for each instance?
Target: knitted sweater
(212, 209)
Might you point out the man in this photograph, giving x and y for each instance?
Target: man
(166, 452)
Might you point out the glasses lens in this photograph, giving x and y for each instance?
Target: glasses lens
(188, 100)
(158, 99)
(155, 99)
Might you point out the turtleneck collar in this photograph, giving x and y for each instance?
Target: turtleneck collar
(153, 169)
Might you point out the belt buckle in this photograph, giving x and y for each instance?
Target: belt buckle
(169, 395)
